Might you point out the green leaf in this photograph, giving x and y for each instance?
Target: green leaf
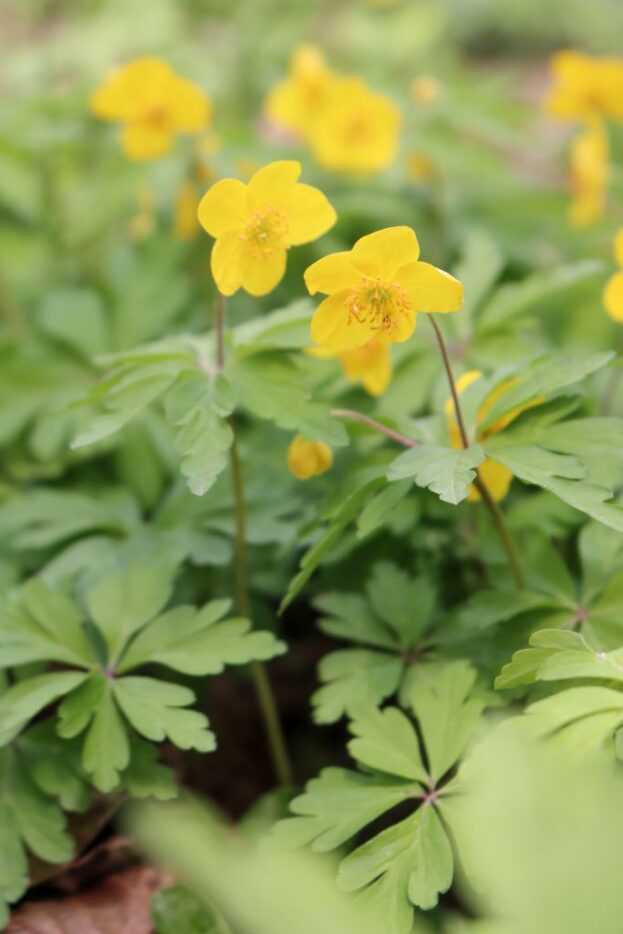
(406, 604)
(445, 471)
(195, 643)
(196, 409)
(145, 777)
(29, 819)
(353, 680)
(272, 388)
(533, 292)
(286, 328)
(341, 518)
(546, 375)
(386, 741)
(581, 720)
(76, 317)
(446, 714)
(338, 804)
(122, 603)
(155, 710)
(408, 864)
(381, 507)
(106, 751)
(54, 766)
(558, 655)
(25, 699)
(176, 909)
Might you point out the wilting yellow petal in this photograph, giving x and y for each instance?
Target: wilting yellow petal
(272, 181)
(141, 141)
(496, 477)
(372, 364)
(613, 297)
(333, 327)
(260, 274)
(430, 289)
(331, 274)
(226, 264)
(308, 458)
(223, 207)
(308, 211)
(383, 252)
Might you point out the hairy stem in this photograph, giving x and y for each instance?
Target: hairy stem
(494, 510)
(261, 681)
(372, 423)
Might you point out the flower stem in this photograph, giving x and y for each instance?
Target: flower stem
(261, 681)
(494, 510)
(263, 689)
(372, 423)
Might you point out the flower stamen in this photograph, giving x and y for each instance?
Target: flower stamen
(378, 304)
(265, 232)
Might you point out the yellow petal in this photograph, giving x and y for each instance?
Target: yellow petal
(618, 247)
(496, 477)
(309, 213)
(226, 263)
(430, 289)
(260, 274)
(191, 109)
(613, 297)
(223, 207)
(272, 181)
(308, 458)
(372, 364)
(404, 328)
(129, 89)
(332, 326)
(331, 274)
(145, 141)
(383, 252)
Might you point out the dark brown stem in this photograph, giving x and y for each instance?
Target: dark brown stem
(372, 423)
(494, 510)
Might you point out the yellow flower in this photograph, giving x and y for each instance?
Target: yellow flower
(375, 291)
(425, 90)
(496, 476)
(255, 225)
(308, 458)
(613, 292)
(186, 225)
(295, 102)
(153, 104)
(589, 175)
(356, 130)
(586, 87)
(370, 364)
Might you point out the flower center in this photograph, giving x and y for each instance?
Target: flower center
(379, 305)
(265, 232)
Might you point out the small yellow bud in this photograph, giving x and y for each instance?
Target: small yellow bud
(186, 223)
(308, 458)
(425, 90)
(421, 167)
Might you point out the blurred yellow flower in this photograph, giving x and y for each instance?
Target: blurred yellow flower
(255, 225)
(308, 458)
(425, 90)
(613, 292)
(421, 167)
(496, 476)
(375, 291)
(589, 175)
(295, 101)
(586, 87)
(185, 223)
(371, 364)
(356, 130)
(153, 104)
